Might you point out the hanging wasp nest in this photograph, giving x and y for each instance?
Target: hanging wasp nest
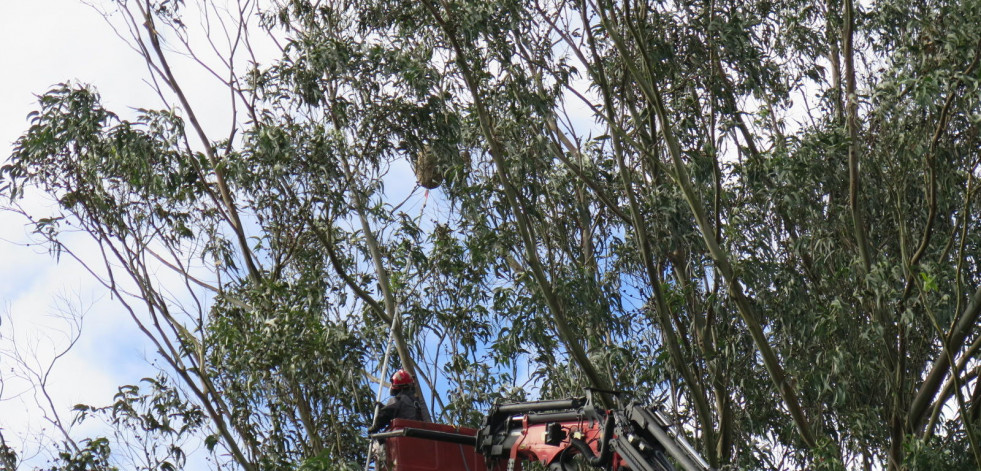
(427, 168)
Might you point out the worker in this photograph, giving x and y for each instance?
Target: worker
(404, 404)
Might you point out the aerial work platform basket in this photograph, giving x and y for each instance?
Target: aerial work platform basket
(433, 447)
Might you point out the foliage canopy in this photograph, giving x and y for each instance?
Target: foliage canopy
(760, 214)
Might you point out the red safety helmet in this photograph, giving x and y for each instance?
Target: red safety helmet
(402, 378)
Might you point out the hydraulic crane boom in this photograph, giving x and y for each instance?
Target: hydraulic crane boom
(632, 437)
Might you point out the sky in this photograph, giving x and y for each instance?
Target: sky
(43, 43)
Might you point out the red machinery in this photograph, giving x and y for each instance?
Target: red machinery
(632, 437)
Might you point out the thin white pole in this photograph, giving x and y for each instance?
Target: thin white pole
(381, 382)
(388, 350)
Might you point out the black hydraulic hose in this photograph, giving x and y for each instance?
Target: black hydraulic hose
(561, 466)
(605, 451)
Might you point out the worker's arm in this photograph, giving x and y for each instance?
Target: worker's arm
(385, 416)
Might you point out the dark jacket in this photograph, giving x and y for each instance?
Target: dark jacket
(404, 405)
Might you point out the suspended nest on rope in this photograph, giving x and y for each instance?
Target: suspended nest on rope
(427, 169)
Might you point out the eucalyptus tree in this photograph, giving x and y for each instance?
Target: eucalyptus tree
(824, 241)
(741, 185)
(761, 217)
